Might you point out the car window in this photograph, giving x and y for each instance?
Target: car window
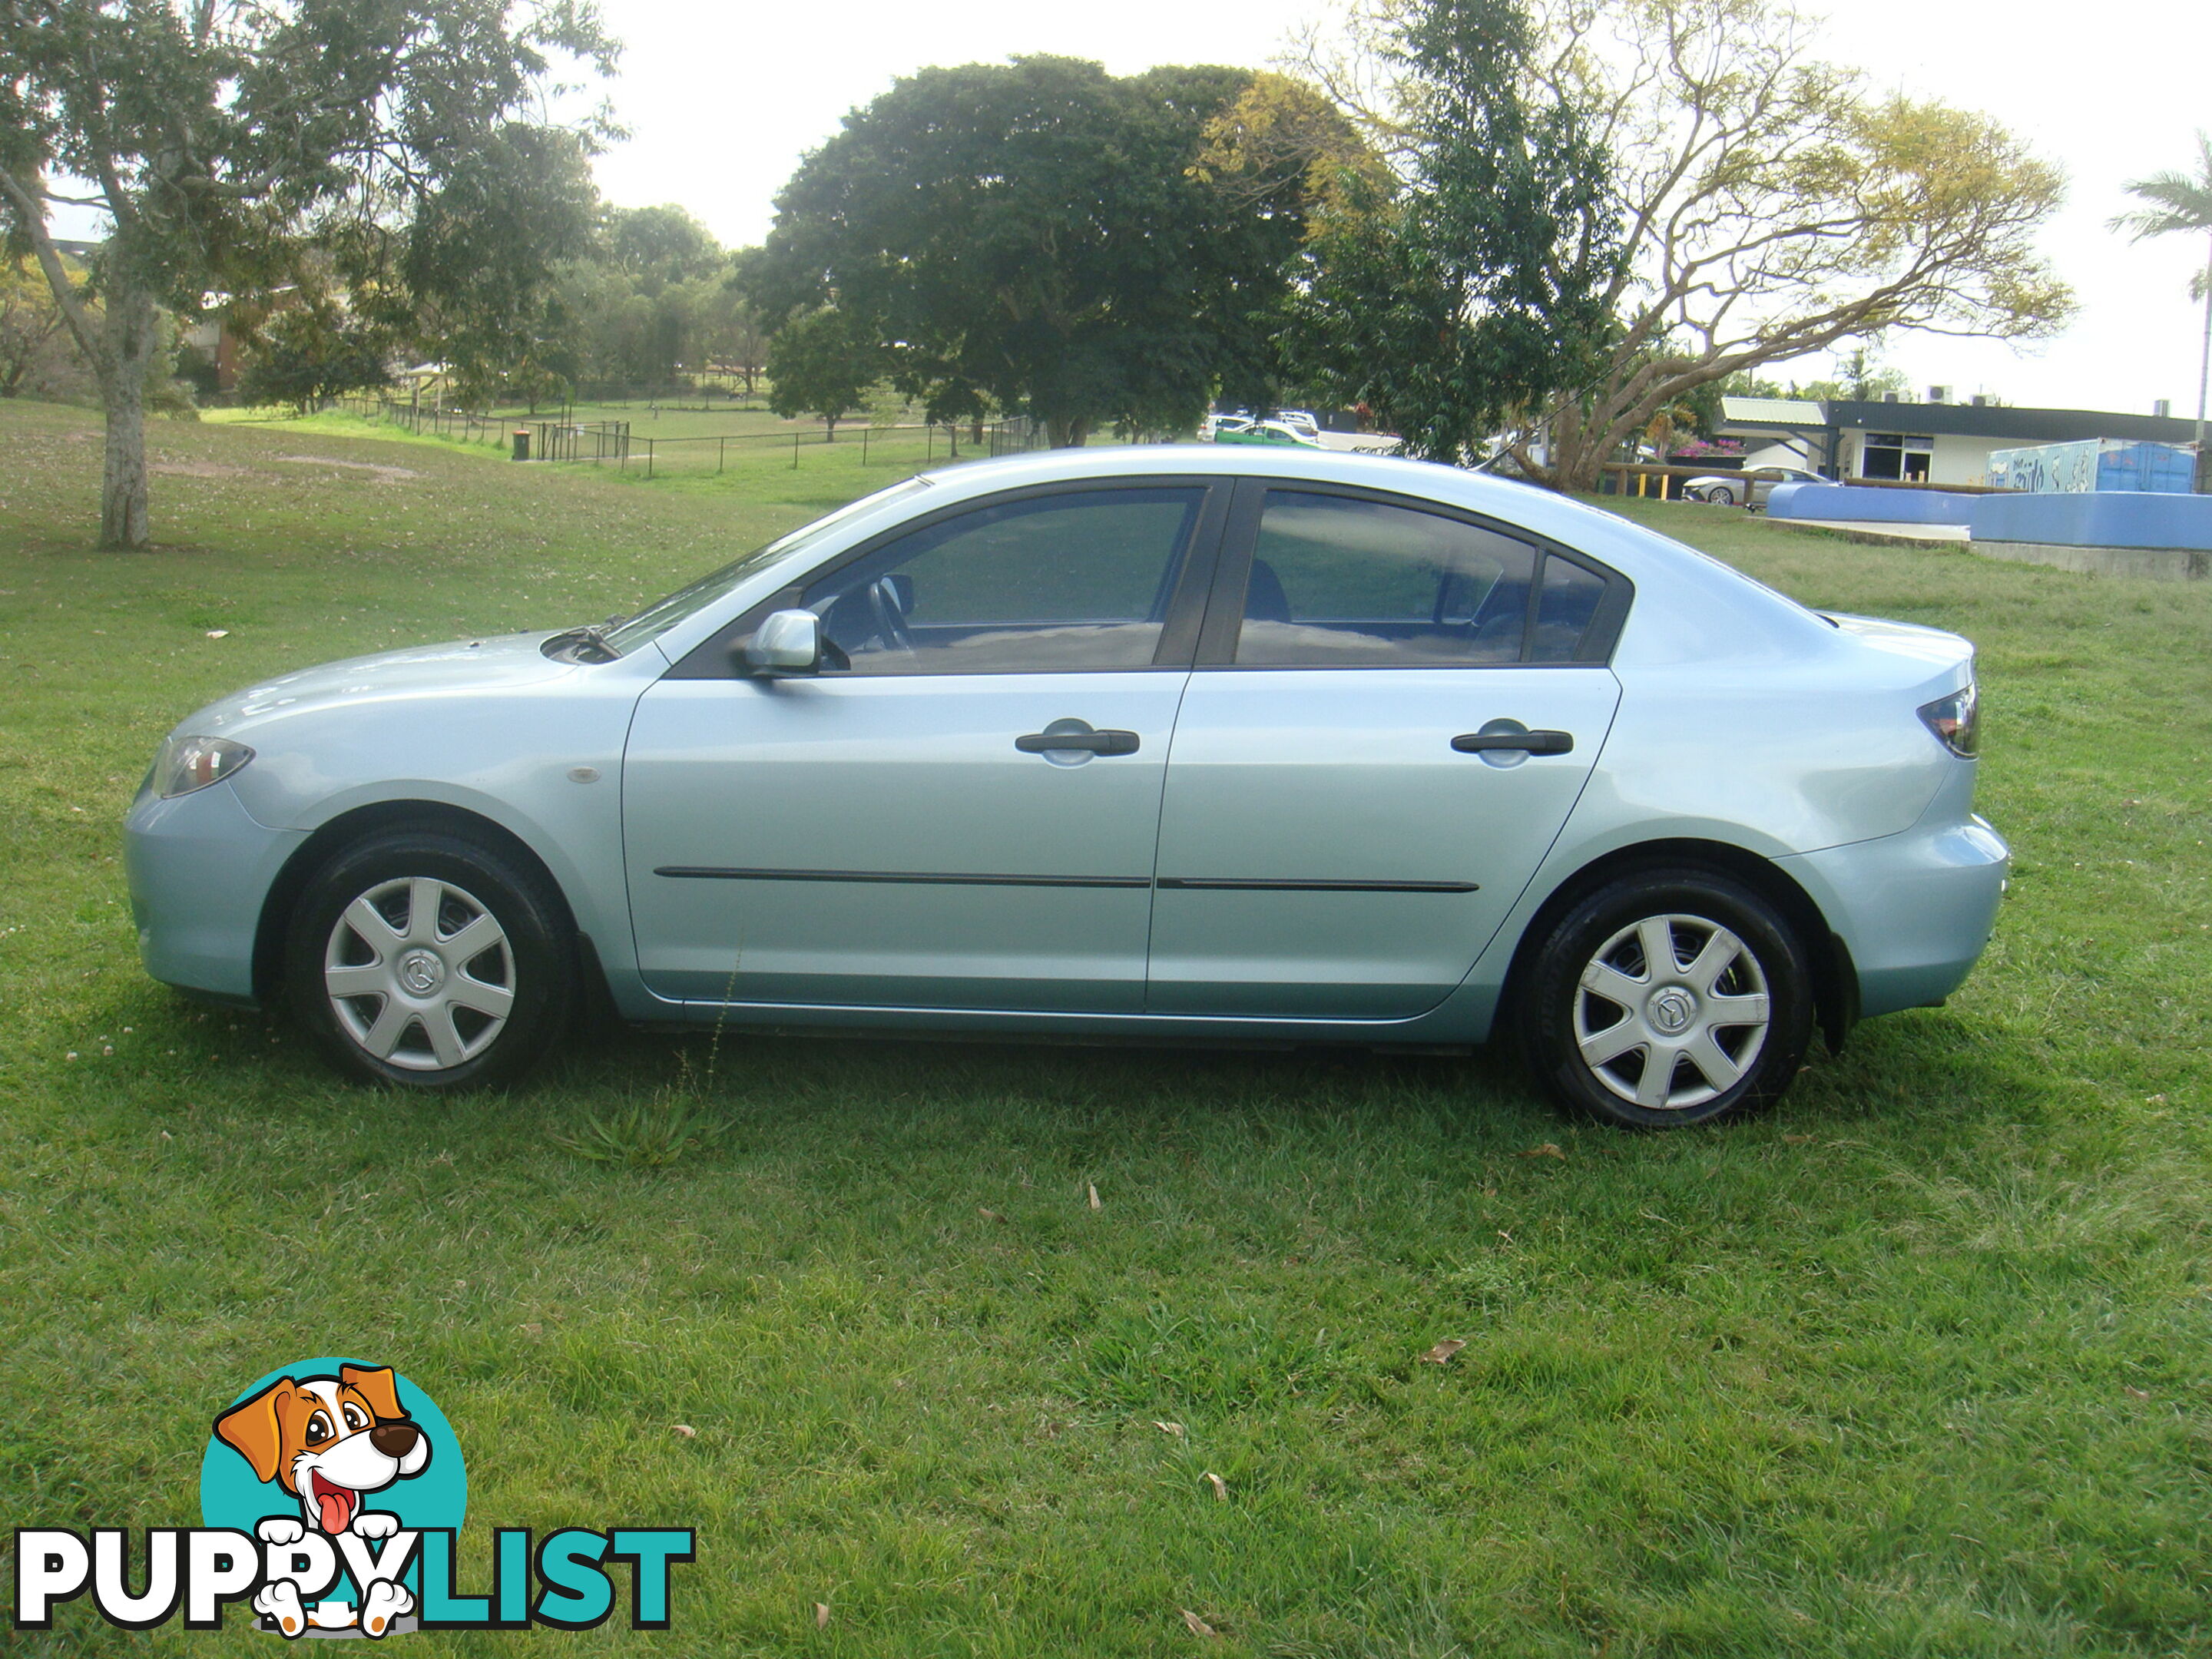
(1057, 583)
(1340, 581)
(1566, 606)
(658, 618)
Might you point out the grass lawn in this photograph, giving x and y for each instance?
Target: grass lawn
(1916, 1365)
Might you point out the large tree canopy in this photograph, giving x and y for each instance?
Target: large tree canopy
(1770, 208)
(652, 303)
(1035, 233)
(232, 146)
(822, 362)
(1465, 276)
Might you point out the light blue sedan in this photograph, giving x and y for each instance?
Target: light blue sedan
(1162, 743)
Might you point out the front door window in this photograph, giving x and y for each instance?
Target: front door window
(1063, 582)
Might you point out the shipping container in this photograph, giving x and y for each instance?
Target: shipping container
(2094, 464)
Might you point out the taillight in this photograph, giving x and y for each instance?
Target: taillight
(1956, 720)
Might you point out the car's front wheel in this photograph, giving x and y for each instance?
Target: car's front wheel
(1721, 495)
(1668, 996)
(426, 958)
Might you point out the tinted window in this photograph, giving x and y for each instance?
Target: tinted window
(1564, 610)
(1341, 582)
(1053, 583)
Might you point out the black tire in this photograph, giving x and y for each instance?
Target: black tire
(1722, 496)
(493, 1002)
(1601, 1064)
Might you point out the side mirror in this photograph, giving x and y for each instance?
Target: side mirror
(787, 642)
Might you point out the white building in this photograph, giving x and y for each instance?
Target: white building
(1937, 442)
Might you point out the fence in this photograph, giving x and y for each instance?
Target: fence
(614, 441)
(1665, 482)
(595, 441)
(462, 426)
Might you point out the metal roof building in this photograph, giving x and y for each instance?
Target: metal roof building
(1938, 443)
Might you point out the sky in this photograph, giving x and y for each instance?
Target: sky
(722, 101)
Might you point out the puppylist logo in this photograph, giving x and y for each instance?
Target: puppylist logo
(332, 1494)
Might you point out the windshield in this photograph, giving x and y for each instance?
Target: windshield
(658, 618)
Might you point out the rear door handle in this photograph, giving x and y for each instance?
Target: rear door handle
(1108, 742)
(1533, 742)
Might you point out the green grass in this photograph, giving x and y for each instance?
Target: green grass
(1916, 1365)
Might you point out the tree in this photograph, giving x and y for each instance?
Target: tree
(1034, 233)
(471, 279)
(822, 363)
(312, 350)
(1859, 378)
(1769, 207)
(740, 337)
(36, 357)
(669, 264)
(1466, 279)
(2183, 204)
(226, 140)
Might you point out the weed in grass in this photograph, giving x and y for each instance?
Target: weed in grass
(648, 1133)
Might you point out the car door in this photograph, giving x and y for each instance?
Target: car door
(1393, 709)
(960, 810)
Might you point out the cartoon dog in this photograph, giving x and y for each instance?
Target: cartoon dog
(329, 1441)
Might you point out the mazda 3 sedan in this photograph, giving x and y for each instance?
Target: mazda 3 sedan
(1177, 743)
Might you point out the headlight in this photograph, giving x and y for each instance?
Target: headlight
(188, 763)
(1957, 722)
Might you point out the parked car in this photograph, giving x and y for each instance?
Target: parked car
(1745, 489)
(1266, 431)
(1300, 420)
(1196, 743)
(1214, 425)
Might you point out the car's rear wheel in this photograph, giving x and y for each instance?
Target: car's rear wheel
(429, 959)
(1668, 996)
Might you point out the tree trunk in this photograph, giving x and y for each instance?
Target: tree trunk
(132, 333)
(1068, 431)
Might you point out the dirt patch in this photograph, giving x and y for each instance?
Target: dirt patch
(384, 474)
(198, 469)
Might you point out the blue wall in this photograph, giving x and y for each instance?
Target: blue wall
(1852, 504)
(2102, 519)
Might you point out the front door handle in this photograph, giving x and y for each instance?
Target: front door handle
(1109, 742)
(1533, 742)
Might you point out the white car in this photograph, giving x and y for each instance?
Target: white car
(1750, 489)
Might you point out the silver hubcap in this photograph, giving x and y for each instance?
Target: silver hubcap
(419, 973)
(1671, 1011)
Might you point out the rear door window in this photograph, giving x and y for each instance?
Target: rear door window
(1345, 581)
